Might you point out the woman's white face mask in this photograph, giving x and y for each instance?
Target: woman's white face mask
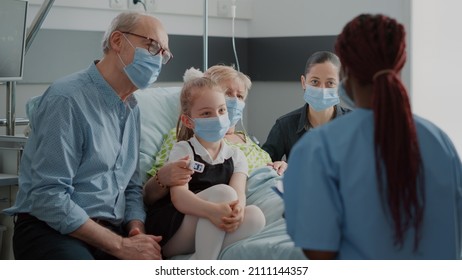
(320, 98)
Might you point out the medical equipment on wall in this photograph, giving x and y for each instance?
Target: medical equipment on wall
(205, 35)
(13, 15)
(141, 2)
(32, 32)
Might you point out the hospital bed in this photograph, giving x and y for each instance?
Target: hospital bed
(159, 108)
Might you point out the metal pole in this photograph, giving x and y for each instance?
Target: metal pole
(10, 107)
(37, 23)
(206, 34)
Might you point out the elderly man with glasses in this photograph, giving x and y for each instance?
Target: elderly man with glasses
(80, 192)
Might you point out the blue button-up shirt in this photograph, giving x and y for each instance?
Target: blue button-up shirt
(81, 158)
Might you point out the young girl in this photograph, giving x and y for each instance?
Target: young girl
(209, 212)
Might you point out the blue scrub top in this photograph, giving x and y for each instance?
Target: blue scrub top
(332, 201)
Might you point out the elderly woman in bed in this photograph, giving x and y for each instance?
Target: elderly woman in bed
(237, 86)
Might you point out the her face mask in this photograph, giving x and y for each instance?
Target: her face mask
(144, 69)
(321, 98)
(235, 108)
(211, 129)
(343, 95)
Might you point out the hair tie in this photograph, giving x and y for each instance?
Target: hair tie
(382, 72)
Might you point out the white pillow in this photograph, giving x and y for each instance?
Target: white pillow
(159, 110)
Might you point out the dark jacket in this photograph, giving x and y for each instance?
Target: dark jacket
(288, 129)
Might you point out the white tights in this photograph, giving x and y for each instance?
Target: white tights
(201, 236)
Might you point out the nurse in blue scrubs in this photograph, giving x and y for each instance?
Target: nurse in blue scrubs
(380, 182)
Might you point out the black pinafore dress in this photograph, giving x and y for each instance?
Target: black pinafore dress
(163, 219)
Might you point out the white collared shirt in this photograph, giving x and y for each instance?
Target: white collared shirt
(182, 149)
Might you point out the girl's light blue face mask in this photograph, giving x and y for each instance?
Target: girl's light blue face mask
(343, 95)
(144, 69)
(321, 98)
(211, 129)
(235, 108)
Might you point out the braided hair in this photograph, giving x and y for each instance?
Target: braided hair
(372, 49)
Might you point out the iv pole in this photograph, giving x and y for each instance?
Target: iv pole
(206, 34)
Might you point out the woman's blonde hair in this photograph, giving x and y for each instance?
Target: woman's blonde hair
(187, 97)
(222, 73)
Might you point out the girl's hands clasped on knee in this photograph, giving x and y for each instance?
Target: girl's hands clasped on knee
(233, 222)
(221, 210)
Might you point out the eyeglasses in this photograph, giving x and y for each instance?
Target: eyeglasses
(155, 48)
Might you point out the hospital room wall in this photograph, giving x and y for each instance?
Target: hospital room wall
(431, 74)
(71, 33)
(274, 92)
(436, 62)
(272, 98)
(433, 52)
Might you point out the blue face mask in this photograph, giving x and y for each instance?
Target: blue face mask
(211, 129)
(321, 98)
(144, 69)
(343, 95)
(235, 109)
